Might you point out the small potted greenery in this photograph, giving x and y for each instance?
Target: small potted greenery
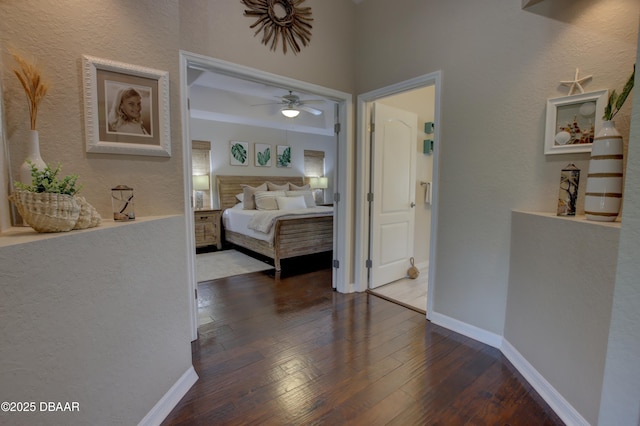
(51, 204)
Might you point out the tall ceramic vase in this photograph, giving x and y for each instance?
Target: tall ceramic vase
(33, 155)
(604, 181)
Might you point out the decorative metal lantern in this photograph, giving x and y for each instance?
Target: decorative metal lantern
(122, 203)
(568, 195)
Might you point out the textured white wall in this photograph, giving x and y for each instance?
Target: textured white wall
(621, 389)
(99, 318)
(499, 66)
(56, 34)
(220, 30)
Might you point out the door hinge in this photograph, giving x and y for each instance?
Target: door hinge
(372, 127)
(370, 197)
(336, 128)
(196, 291)
(336, 263)
(369, 264)
(336, 197)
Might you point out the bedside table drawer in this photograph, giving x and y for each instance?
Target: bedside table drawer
(207, 228)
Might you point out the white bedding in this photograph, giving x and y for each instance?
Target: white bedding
(239, 220)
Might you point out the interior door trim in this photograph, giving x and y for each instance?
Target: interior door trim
(362, 148)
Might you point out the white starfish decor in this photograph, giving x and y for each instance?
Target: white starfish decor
(576, 83)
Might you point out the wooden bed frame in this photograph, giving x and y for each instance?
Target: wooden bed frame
(293, 236)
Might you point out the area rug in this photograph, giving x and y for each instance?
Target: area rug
(226, 263)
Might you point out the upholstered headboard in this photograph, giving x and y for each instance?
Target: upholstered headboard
(230, 186)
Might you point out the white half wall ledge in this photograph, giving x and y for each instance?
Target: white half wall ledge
(170, 400)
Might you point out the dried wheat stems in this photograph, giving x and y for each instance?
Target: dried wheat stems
(33, 85)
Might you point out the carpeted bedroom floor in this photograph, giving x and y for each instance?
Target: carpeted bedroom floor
(226, 263)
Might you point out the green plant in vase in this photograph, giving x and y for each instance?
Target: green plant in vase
(46, 180)
(616, 101)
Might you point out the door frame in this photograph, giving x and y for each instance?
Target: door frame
(343, 209)
(362, 180)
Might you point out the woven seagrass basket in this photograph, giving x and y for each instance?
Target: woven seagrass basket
(47, 212)
(88, 217)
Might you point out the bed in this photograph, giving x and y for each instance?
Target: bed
(291, 235)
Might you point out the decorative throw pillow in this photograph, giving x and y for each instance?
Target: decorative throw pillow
(291, 203)
(240, 197)
(266, 200)
(274, 187)
(248, 195)
(293, 187)
(308, 197)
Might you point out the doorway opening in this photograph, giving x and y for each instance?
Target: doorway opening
(422, 97)
(192, 66)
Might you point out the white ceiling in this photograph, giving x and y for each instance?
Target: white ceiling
(219, 97)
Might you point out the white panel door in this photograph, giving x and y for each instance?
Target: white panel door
(393, 187)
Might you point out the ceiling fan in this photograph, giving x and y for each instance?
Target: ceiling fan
(292, 105)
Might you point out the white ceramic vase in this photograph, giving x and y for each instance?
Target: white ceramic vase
(33, 155)
(604, 181)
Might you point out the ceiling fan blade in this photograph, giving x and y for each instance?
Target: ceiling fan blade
(310, 110)
(269, 103)
(312, 101)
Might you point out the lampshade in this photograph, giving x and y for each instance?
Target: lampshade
(323, 182)
(318, 183)
(290, 112)
(201, 183)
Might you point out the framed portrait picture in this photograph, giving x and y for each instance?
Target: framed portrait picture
(263, 155)
(239, 153)
(283, 156)
(573, 121)
(126, 108)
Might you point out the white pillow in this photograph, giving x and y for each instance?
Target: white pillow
(238, 206)
(275, 187)
(291, 203)
(248, 198)
(266, 200)
(293, 187)
(308, 197)
(240, 196)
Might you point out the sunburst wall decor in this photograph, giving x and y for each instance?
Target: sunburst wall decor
(281, 20)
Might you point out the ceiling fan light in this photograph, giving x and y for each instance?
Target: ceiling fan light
(290, 112)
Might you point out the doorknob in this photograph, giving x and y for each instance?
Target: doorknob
(413, 204)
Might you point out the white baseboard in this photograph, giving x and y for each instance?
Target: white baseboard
(170, 399)
(468, 330)
(556, 401)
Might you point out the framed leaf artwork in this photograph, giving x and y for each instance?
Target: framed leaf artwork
(284, 156)
(239, 153)
(263, 155)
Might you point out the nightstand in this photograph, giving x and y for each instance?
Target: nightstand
(207, 228)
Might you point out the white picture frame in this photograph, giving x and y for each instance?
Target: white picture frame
(263, 155)
(283, 156)
(148, 134)
(565, 115)
(238, 153)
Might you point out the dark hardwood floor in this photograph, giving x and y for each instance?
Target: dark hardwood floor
(291, 351)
